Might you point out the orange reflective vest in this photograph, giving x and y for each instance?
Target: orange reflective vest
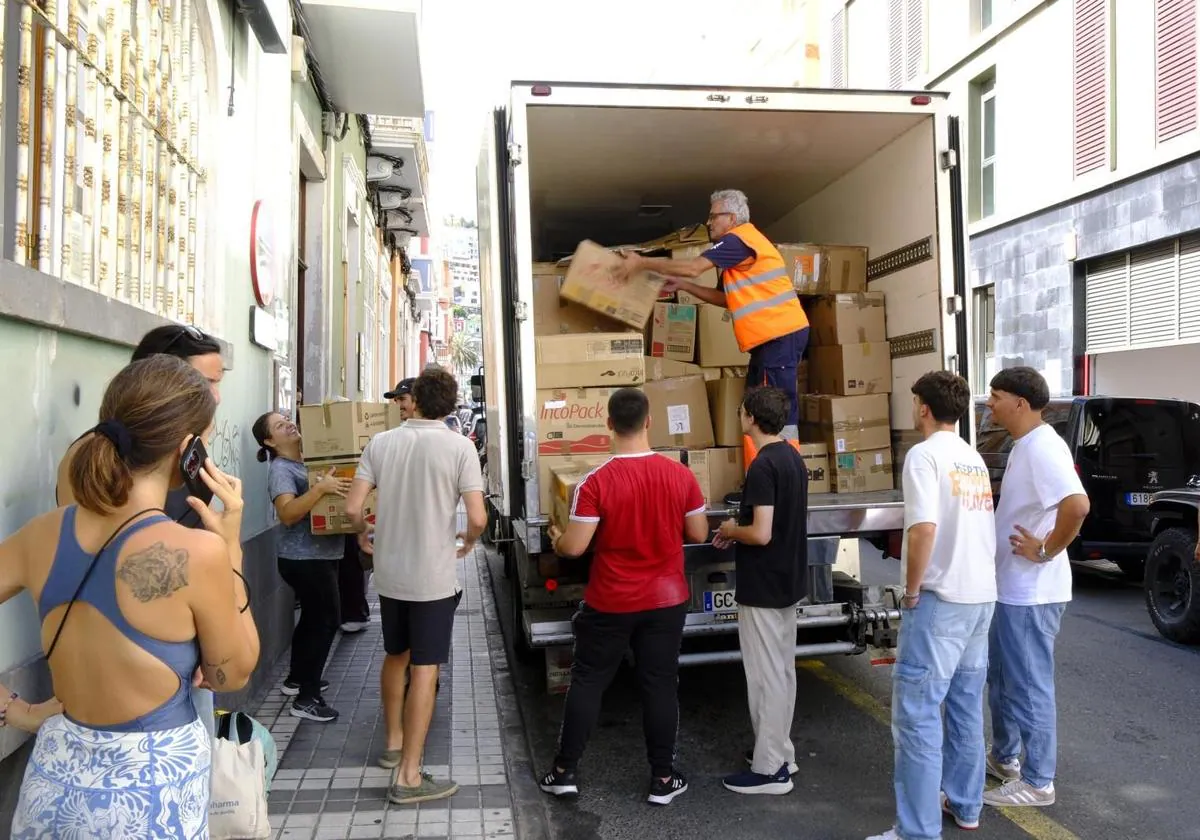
(760, 296)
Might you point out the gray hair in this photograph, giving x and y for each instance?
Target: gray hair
(734, 201)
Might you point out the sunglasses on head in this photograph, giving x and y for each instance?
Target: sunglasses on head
(185, 329)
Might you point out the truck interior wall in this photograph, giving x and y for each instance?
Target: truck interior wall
(886, 203)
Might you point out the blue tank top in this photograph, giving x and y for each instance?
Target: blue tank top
(100, 592)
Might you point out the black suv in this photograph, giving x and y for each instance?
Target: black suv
(1125, 451)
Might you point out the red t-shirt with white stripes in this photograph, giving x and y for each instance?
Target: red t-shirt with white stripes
(640, 502)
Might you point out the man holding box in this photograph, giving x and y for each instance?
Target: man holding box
(755, 287)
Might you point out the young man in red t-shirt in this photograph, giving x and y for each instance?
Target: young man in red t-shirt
(639, 507)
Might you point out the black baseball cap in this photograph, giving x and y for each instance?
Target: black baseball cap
(404, 386)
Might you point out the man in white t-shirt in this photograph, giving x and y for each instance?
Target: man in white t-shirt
(948, 564)
(1041, 508)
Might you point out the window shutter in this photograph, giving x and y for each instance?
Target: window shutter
(1189, 288)
(895, 43)
(1106, 304)
(837, 50)
(914, 64)
(1090, 82)
(1153, 299)
(1174, 68)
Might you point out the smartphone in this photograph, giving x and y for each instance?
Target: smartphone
(193, 459)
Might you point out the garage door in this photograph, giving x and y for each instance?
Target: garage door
(1148, 297)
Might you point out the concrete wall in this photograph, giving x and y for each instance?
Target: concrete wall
(1038, 299)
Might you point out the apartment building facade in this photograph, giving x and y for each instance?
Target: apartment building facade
(1081, 147)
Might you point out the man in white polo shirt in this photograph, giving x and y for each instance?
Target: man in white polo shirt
(420, 471)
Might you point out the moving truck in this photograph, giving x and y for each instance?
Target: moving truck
(617, 164)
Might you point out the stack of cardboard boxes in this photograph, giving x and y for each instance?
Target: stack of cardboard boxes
(847, 376)
(333, 436)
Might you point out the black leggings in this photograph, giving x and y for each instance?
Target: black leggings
(316, 586)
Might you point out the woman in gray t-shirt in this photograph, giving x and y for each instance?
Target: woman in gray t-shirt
(307, 563)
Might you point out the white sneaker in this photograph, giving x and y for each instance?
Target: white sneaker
(1020, 794)
(1003, 771)
(961, 823)
(354, 626)
(890, 834)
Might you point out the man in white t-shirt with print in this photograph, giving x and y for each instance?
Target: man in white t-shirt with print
(948, 564)
(1042, 505)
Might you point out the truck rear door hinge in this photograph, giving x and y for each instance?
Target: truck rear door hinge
(718, 97)
(521, 311)
(949, 160)
(515, 154)
(756, 100)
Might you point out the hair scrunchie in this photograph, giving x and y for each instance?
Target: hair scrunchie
(118, 435)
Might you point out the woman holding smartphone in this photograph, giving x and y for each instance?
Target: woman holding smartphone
(129, 757)
(307, 562)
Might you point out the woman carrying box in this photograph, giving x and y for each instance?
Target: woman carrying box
(307, 563)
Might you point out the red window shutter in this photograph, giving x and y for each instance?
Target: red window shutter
(837, 51)
(1174, 68)
(1090, 81)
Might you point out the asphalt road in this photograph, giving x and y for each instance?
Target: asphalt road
(1128, 742)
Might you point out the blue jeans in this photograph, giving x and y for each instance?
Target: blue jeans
(942, 660)
(775, 362)
(1021, 688)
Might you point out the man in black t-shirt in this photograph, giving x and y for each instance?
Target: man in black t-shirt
(770, 534)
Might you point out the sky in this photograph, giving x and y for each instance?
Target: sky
(472, 48)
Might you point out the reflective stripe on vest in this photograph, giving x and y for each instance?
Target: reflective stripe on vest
(760, 297)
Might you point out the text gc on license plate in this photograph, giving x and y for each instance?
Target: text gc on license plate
(1137, 499)
(720, 600)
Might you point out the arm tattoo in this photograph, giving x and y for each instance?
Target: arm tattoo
(219, 673)
(155, 572)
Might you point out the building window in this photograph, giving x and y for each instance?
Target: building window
(110, 177)
(982, 140)
(1091, 80)
(985, 14)
(837, 50)
(1174, 68)
(985, 337)
(906, 42)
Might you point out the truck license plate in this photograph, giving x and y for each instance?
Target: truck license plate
(1137, 499)
(720, 600)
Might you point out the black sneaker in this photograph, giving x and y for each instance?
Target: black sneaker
(291, 688)
(559, 784)
(664, 792)
(317, 710)
(792, 768)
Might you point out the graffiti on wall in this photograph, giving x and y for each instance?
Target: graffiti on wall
(225, 447)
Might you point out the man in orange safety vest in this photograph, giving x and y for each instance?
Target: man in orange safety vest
(755, 287)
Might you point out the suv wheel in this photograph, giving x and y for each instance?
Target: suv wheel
(1172, 586)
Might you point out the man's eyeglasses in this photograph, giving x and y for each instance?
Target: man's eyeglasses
(714, 216)
(185, 329)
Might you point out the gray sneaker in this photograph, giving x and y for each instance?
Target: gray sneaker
(429, 790)
(1004, 771)
(1019, 794)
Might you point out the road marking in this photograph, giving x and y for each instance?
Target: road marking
(1032, 821)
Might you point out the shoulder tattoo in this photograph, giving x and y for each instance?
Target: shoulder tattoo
(155, 572)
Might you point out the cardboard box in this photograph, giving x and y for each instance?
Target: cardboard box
(726, 473)
(689, 252)
(864, 471)
(816, 460)
(328, 515)
(596, 279)
(673, 332)
(802, 378)
(670, 369)
(851, 318)
(848, 370)
(589, 359)
(339, 429)
(724, 398)
(554, 316)
(716, 345)
(679, 413)
(573, 421)
(546, 463)
(695, 461)
(563, 481)
(850, 424)
(713, 374)
(825, 269)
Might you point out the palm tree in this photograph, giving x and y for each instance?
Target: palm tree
(463, 354)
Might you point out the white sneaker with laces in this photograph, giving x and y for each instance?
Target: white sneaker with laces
(1020, 794)
(890, 834)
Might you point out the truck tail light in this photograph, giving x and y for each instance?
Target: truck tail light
(921, 99)
(540, 90)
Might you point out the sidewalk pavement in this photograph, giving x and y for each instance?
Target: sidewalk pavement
(328, 784)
